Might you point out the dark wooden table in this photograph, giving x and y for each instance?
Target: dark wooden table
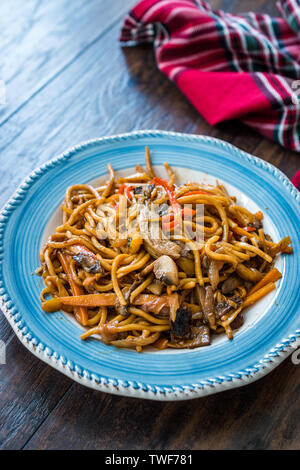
(68, 80)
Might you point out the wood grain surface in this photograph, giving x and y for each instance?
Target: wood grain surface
(68, 80)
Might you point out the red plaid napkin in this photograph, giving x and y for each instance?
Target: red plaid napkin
(243, 67)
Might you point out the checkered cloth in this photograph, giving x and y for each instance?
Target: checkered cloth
(243, 67)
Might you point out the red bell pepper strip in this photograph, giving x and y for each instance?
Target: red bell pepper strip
(187, 211)
(250, 229)
(124, 189)
(128, 194)
(172, 198)
(169, 222)
(169, 225)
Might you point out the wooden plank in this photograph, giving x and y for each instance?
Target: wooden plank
(286, 160)
(252, 417)
(29, 391)
(45, 38)
(122, 91)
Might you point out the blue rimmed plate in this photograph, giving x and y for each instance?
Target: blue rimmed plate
(272, 326)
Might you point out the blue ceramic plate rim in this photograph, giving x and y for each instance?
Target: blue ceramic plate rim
(64, 358)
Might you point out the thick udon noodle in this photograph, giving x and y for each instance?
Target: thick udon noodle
(133, 291)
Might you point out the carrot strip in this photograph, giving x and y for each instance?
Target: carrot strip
(80, 312)
(128, 193)
(90, 300)
(151, 301)
(251, 299)
(259, 215)
(272, 276)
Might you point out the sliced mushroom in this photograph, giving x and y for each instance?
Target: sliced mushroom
(205, 262)
(200, 337)
(86, 258)
(181, 326)
(231, 283)
(163, 209)
(121, 309)
(128, 291)
(155, 287)
(209, 307)
(249, 274)
(157, 248)
(88, 263)
(200, 296)
(224, 307)
(187, 265)
(237, 322)
(197, 316)
(256, 223)
(185, 251)
(213, 273)
(165, 270)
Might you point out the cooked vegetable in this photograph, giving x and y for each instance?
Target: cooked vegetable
(272, 276)
(200, 336)
(128, 262)
(157, 248)
(134, 241)
(231, 283)
(213, 273)
(155, 287)
(166, 271)
(187, 265)
(209, 307)
(249, 274)
(80, 312)
(87, 259)
(171, 194)
(152, 302)
(255, 296)
(181, 326)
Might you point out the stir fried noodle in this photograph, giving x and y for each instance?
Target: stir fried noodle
(142, 261)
